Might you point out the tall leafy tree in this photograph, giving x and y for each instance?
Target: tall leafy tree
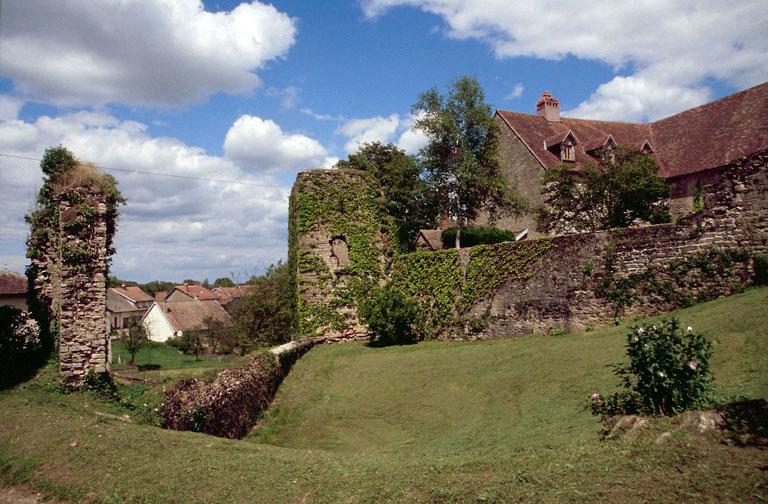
(461, 158)
(409, 202)
(622, 188)
(263, 317)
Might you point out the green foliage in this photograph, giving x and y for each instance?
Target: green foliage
(761, 269)
(691, 279)
(345, 205)
(432, 280)
(190, 343)
(492, 265)
(156, 286)
(622, 188)
(20, 346)
(223, 282)
(410, 204)
(136, 336)
(461, 159)
(668, 372)
(83, 187)
(476, 235)
(113, 281)
(391, 318)
(263, 317)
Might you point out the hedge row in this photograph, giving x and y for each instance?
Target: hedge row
(227, 406)
(476, 235)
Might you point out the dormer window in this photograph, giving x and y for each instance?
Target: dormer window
(567, 151)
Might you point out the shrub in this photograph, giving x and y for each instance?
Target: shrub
(227, 406)
(761, 269)
(391, 317)
(668, 372)
(477, 235)
(20, 348)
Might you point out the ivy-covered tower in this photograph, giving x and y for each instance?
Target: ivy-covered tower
(338, 247)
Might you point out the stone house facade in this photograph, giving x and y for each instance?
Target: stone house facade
(691, 148)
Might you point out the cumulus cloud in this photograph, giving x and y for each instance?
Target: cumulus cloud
(259, 145)
(171, 228)
(138, 52)
(675, 44)
(373, 129)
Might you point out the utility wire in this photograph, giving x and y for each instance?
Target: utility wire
(163, 174)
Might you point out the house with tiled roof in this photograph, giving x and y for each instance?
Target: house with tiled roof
(229, 295)
(13, 290)
(190, 292)
(171, 319)
(690, 147)
(122, 304)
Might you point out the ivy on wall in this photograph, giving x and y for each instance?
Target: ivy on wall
(445, 293)
(339, 203)
(682, 282)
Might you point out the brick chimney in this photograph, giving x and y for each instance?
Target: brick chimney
(548, 107)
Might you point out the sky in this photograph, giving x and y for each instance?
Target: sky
(237, 98)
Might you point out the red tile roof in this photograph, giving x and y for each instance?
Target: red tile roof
(134, 293)
(12, 283)
(698, 139)
(196, 291)
(117, 303)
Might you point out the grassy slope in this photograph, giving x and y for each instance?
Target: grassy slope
(490, 422)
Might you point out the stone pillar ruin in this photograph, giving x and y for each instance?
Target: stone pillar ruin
(71, 281)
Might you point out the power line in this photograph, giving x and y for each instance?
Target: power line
(189, 177)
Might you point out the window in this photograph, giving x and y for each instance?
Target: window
(567, 152)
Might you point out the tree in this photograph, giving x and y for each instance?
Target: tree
(408, 201)
(135, 338)
(263, 317)
(391, 317)
(461, 158)
(223, 282)
(215, 332)
(622, 188)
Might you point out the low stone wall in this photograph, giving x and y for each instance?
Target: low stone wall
(571, 282)
(229, 405)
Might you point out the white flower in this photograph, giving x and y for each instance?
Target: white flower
(693, 364)
(661, 374)
(636, 339)
(690, 328)
(640, 331)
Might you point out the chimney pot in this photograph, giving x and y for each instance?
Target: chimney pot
(548, 107)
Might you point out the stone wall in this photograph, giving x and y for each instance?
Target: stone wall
(84, 342)
(568, 282)
(590, 278)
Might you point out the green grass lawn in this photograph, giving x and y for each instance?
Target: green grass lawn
(499, 421)
(158, 361)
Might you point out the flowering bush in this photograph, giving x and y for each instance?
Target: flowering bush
(668, 372)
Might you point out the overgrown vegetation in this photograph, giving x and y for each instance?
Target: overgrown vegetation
(408, 202)
(668, 372)
(622, 188)
(82, 187)
(262, 318)
(461, 158)
(227, 406)
(19, 346)
(476, 235)
(391, 317)
(135, 337)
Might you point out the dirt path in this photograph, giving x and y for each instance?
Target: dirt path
(22, 495)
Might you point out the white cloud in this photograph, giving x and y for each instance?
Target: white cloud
(675, 44)
(260, 146)
(171, 228)
(637, 99)
(289, 96)
(517, 91)
(373, 129)
(138, 52)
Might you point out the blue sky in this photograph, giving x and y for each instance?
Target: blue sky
(255, 92)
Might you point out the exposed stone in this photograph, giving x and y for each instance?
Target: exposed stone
(699, 422)
(627, 426)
